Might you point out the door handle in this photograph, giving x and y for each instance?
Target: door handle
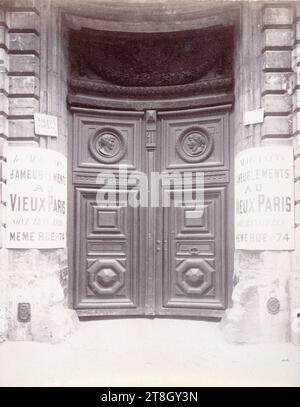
(158, 245)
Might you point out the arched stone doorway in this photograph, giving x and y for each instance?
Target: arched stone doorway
(163, 95)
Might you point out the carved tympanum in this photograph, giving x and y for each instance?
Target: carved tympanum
(125, 61)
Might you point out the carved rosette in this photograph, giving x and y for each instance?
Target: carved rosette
(194, 276)
(273, 305)
(194, 145)
(107, 145)
(106, 276)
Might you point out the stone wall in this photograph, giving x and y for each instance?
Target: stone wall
(33, 79)
(4, 90)
(265, 278)
(295, 277)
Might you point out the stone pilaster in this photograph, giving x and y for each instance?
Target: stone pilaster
(295, 276)
(261, 306)
(4, 90)
(35, 279)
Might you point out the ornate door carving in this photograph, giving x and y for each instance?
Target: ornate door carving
(150, 260)
(109, 240)
(192, 275)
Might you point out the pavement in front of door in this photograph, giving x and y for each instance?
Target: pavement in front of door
(148, 352)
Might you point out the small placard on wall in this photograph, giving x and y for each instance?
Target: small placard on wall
(254, 116)
(45, 125)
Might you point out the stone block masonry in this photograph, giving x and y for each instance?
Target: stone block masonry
(4, 101)
(33, 303)
(295, 277)
(268, 281)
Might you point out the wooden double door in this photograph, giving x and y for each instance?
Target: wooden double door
(159, 257)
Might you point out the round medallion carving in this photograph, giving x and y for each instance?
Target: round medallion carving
(107, 146)
(194, 145)
(273, 305)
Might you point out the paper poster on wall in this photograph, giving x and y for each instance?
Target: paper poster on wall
(264, 199)
(36, 198)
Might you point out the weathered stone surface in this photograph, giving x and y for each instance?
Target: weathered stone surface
(296, 143)
(59, 323)
(4, 41)
(297, 214)
(278, 81)
(21, 129)
(3, 144)
(297, 190)
(277, 126)
(24, 85)
(3, 295)
(3, 103)
(296, 122)
(297, 30)
(262, 285)
(277, 103)
(297, 168)
(297, 238)
(296, 263)
(2, 15)
(278, 37)
(3, 126)
(2, 172)
(278, 15)
(296, 99)
(272, 142)
(33, 278)
(24, 63)
(4, 60)
(26, 20)
(280, 60)
(4, 82)
(24, 42)
(23, 106)
(294, 289)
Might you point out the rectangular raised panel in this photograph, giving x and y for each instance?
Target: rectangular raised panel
(194, 266)
(192, 141)
(106, 248)
(200, 226)
(107, 251)
(104, 221)
(107, 141)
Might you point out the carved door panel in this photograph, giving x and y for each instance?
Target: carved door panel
(152, 260)
(109, 278)
(191, 276)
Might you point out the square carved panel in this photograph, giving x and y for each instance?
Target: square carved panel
(107, 255)
(107, 141)
(194, 262)
(105, 220)
(193, 141)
